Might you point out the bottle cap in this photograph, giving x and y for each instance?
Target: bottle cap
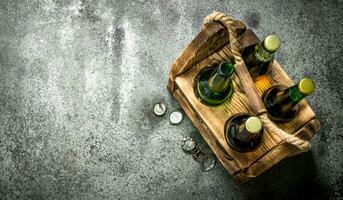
(188, 144)
(160, 109)
(272, 43)
(253, 125)
(306, 86)
(175, 117)
(208, 163)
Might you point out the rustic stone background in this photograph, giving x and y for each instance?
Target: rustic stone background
(78, 80)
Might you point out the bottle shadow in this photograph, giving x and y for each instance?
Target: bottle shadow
(292, 178)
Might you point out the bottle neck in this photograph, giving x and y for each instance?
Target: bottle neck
(289, 97)
(262, 54)
(218, 83)
(295, 94)
(220, 79)
(244, 134)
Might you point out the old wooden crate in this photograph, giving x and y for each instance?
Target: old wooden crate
(209, 47)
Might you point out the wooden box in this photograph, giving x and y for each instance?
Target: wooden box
(209, 47)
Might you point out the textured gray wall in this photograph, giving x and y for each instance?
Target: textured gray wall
(78, 80)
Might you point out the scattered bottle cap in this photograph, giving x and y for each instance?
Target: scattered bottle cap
(175, 117)
(208, 163)
(188, 144)
(160, 109)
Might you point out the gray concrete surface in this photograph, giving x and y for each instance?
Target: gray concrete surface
(78, 80)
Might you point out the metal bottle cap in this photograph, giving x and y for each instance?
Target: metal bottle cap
(188, 144)
(306, 86)
(160, 109)
(175, 117)
(272, 43)
(208, 163)
(253, 125)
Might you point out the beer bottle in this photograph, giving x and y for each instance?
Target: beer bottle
(281, 102)
(258, 57)
(244, 132)
(214, 86)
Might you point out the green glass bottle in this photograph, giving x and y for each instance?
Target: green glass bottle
(258, 57)
(214, 85)
(244, 132)
(281, 102)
